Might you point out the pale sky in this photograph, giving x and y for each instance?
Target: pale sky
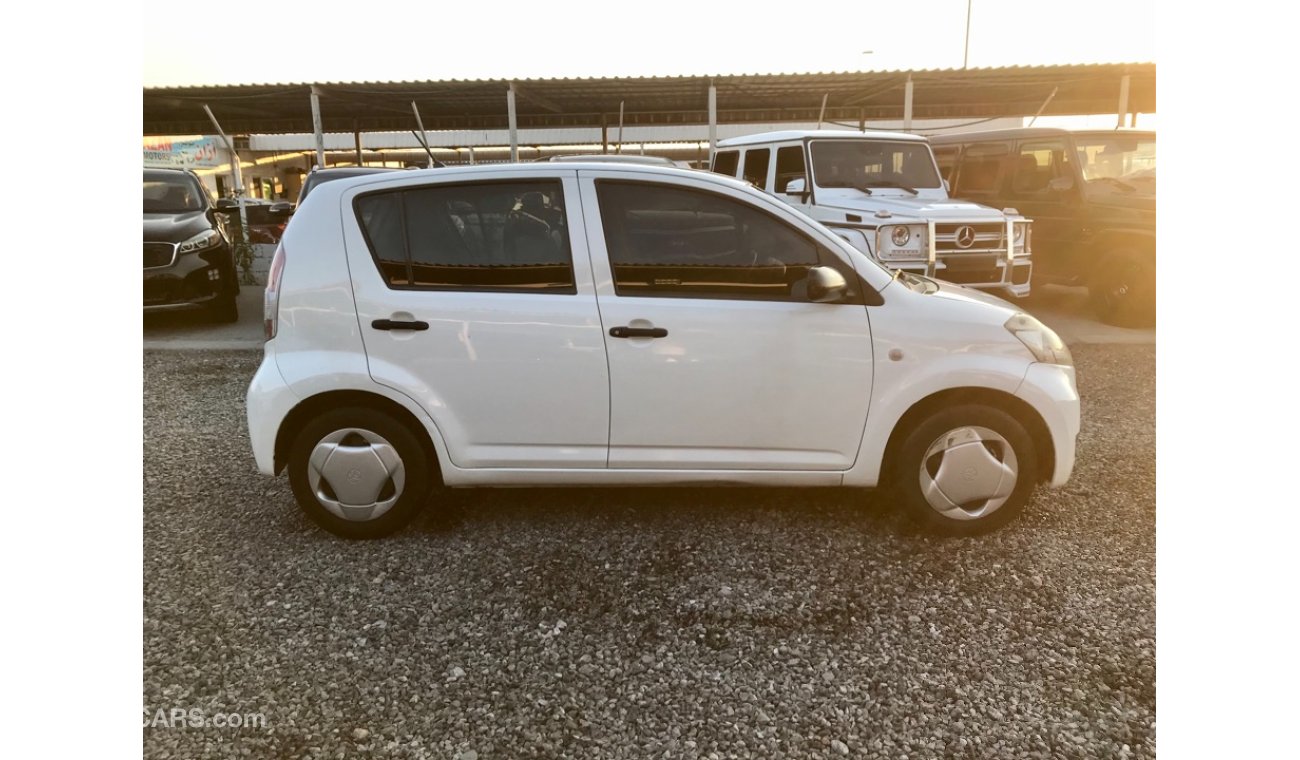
(402, 40)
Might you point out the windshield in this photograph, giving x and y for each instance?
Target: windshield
(1118, 163)
(873, 163)
(171, 194)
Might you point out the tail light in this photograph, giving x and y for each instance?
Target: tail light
(271, 301)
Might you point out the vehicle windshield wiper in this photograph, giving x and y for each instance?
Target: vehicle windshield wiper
(859, 188)
(891, 183)
(1121, 184)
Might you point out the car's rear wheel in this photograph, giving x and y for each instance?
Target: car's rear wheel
(359, 473)
(966, 470)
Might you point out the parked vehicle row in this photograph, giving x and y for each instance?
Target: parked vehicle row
(1092, 196)
(602, 323)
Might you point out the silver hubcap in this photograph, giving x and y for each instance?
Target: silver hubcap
(356, 474)
(968, 473)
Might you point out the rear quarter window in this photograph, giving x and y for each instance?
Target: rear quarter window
(726, 162)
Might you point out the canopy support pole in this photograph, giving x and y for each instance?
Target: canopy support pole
(514, 123)
(907, 105)
(1123, 100)
(713, 121)
(316, 127)
(237, 171)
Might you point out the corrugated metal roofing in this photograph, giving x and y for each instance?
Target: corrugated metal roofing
(592, 101)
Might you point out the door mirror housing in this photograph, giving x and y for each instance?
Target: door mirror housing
(826, 285)
(1060, 184)
(280, 209)
(947, 188)
(798, 187)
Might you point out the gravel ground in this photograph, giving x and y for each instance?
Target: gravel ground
(646, 623)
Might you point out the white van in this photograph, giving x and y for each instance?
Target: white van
(882, 192)
(598, 324)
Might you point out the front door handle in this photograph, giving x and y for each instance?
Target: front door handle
(638, 332)
(389, 324)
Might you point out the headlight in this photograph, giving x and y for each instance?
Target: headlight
(205, 239)
(1022, 233)
(900, 241)
(1046, 346)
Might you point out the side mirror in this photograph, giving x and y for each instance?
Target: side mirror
(227, 204)
(1060, 184)
(799, 187)
(280, 209)
(947, 188)
(826, 285)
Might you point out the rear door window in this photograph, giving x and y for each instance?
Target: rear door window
(492, 236)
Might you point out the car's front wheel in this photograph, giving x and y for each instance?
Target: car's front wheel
(965, 470)
(1123, 290)
(359, 473)
(225, 310)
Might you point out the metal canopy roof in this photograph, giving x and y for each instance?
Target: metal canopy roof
(481, 104)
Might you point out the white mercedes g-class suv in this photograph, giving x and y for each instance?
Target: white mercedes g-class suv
(882, 192)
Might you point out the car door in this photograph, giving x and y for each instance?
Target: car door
(476, 300)
(717, 359)
(1042, 186)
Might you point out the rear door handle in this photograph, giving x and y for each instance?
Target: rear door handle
(638, 332)
(389, 324)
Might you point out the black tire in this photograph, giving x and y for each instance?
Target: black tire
(906, 473)
(1123, 289)
(225, 310)
(417, 463)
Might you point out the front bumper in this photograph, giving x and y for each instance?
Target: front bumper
(1051, 390)
(190, 280)
(986, 274)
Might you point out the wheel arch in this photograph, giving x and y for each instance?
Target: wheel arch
(1109, 242)
(308, 408)
(1019, 409)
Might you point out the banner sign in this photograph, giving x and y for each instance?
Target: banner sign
(181, 154)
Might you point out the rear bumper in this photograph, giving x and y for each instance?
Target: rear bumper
(268, 402)
(1051, 390)
(193, 280)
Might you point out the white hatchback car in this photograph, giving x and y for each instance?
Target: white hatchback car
(598, 324)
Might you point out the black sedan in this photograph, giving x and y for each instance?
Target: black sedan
(188, 262)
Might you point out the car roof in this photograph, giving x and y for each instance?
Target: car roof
(613, 158)
(167, 170)
(800, 134)
(531, 169)
(349, 171)
(1019, 132)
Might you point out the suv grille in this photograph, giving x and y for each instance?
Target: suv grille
(158, 254)
(990, 237)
